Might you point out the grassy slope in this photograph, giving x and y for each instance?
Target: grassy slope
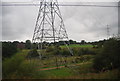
(58, 73)
(78, 45)
(83, 71)
(77, 72)
(102, 75)
(80, 72)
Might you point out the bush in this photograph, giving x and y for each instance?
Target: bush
(28, 44)
(16, 67)
(109, 56)
(84, 51)
(25, 70)
(33, 54)
(55, 50)
(11, 65)
(50, 49)
(8, 49)
(84, 58)
(65, 52)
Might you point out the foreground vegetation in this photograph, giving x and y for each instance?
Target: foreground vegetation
(78, 45)
(101, 62)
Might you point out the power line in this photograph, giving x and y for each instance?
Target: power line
(59, 5)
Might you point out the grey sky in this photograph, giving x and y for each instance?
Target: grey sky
(88, 23)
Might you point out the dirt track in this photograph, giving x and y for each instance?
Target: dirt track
(51, 68)
(59, 67)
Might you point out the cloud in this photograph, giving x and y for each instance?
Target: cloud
(88, 23)
(92, 20)
(18, 22)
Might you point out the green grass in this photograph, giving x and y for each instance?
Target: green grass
(49, 63)
(49, 67)
(83, 71)
(84, 67)
(58, 73)
(78, 45)
(112, 74)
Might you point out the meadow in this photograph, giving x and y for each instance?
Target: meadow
(78, 45)
(79, 66)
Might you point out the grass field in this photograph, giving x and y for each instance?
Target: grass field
(80, 70)
(78, 45)
(58, 73)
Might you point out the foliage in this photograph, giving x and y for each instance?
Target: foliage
(34, 45)
(28, 44)
(50, 49)
(85, 67)
(65, 52)
(109, 57)
(59, 73)
(72, 42)
(17, 67)
(55, 50)
(83, 42)
(8, 49)
(11, 65)
(84, 51)
(78, 46)
(84, 58)
(25, 70)
(33, 54)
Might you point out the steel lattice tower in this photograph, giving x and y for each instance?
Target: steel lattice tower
(49, 25)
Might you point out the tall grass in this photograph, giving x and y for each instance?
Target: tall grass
(11, 65)
(16, 67)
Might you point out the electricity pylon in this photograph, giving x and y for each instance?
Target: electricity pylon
(49, 25)
(108, 32)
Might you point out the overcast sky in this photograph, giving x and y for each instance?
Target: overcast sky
(88, 23)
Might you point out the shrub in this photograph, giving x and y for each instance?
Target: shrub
(33, 54)
(8, 49)
(25, 70)
(28, 44)
(109, 56)
(16, 67)
(10, 65)
(50, 49)
(55, 50)
(84, 51)
(65, 52)
(84, 58)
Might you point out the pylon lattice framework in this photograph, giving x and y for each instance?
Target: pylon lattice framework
(49, 25)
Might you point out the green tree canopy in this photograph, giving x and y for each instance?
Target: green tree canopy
(109, 57)
(28, 44)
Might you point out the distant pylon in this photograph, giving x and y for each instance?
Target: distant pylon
(108, 32)
(49, 25)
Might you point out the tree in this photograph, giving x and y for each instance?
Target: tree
(33, 54)
(28, 44)
(8, 49)
(109, 56)
(72, 42)
(15, 43)
(34, 46)
(83, 42)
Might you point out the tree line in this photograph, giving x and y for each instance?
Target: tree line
(10, 48)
